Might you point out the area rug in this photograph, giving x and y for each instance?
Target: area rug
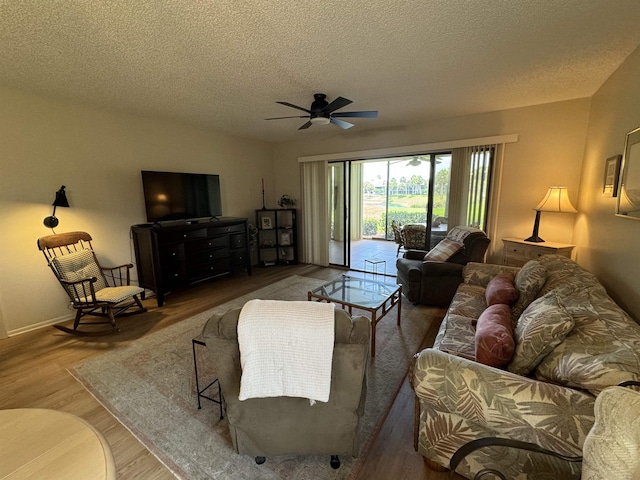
(148, 386)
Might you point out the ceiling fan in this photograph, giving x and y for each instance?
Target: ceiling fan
(322, 112)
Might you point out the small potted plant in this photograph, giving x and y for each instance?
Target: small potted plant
(286, 201)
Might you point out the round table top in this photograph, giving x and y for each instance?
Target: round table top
(37, 443)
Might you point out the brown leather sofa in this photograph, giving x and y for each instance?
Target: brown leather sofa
(261, 427)
(435, 283)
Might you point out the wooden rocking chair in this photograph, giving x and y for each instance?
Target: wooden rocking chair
(93, 290)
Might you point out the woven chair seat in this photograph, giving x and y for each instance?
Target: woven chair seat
(115, 294)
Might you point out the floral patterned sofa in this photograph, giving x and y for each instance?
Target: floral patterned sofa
(571, 342)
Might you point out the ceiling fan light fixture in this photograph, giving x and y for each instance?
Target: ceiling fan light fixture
(323, 112)
(320, 120)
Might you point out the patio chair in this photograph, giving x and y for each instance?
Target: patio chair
(397, 236)
(92, 289)
(414, 236)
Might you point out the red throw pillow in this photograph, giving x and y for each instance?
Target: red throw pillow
(501, 289)
(494, 336)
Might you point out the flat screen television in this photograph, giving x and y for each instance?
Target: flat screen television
(180, 196)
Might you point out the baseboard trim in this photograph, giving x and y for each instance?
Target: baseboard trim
(39, 325)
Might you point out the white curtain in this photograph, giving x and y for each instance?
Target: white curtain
(459, 186)
(315, 214)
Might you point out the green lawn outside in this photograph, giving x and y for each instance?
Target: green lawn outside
(402, 208)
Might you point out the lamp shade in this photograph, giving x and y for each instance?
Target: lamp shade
(61, 198)
(556, 200)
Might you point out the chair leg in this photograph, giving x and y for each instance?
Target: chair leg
(139, 303)
(112, 318)
(76, 322)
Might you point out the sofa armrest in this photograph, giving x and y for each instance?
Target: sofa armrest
(441, 269)
(415, 254)
(461, 400)
(474, 445)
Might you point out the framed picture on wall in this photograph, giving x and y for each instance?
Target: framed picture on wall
(611, 175)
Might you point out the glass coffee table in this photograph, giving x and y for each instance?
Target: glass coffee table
(377, 298)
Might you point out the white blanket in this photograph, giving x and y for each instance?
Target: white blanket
(286, 349)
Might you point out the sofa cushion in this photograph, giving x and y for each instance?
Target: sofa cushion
(602, 350)
(468, 301)
(612, 445)
(494, 336)
(457, 336)
(501, 290)
(475, 273)
(564, 273)
(541, 327)
(80, 265)
(529, 281)
(443, 251)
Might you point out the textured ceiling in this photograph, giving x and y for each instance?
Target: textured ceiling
(224, 63)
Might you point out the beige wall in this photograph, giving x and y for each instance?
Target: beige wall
(98, 155)
(609, 244)
(549, 152)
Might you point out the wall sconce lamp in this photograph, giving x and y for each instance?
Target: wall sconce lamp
(556, 200)
(60, 201)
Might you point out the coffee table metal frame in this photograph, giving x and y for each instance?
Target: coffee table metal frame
(375, 297)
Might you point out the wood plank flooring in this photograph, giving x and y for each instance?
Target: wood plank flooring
(33, 374)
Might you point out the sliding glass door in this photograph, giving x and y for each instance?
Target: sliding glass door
(339, 199)
(366, 196)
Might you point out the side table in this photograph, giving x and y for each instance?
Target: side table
(201, 392)
(517, 251)
(40, 443)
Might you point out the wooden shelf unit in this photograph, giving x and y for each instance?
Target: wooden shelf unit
(277, 236)
(169, 257)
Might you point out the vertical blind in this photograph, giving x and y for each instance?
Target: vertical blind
(480, 165)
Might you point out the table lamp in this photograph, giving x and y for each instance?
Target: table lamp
(556, 200)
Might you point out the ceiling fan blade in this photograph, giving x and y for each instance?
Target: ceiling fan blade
(336, 104)
(340, 123)
(294, 106)
(280, 118)
(306, 125)
(368, 114)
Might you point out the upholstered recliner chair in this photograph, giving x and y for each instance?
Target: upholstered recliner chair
(261, 427)
(431, 278)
